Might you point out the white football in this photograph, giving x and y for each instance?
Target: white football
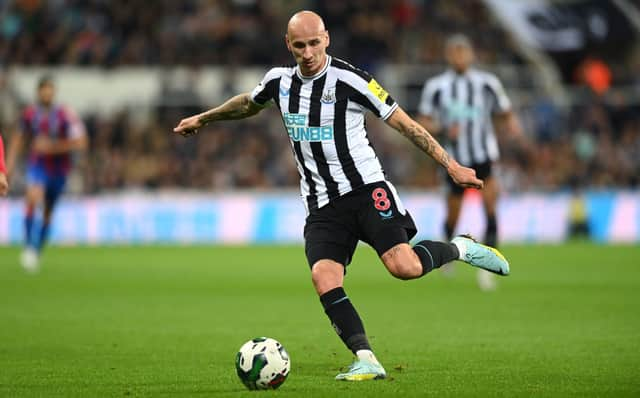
(262, 363)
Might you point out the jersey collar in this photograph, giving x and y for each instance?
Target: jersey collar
(466, 73)
(317, 75)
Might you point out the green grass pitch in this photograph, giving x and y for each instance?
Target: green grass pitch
(167, 322)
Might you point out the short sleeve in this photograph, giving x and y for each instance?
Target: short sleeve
(76, 128)
(379, 100)
(25, 120)
(429, 99)
(501, 102)
(3, 167)
(267, 90)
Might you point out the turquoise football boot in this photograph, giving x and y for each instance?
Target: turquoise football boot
(481, 256)
(362, 370)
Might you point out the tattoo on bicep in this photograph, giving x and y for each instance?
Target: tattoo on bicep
(236, 108)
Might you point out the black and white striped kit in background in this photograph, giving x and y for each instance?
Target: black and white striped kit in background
(325, 118)
(468, 100)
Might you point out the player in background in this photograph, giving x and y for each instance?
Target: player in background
(53, 133)
(461, 106)
(4, 184)
(323, 102)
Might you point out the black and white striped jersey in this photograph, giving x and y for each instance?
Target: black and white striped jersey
(324, 116)
(468, 100)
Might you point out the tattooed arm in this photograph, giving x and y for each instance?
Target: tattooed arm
(238, 107)
(411, 129)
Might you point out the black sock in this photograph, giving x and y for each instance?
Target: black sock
(448, 230)
(435, 254)
(344, 319)
(491, 235)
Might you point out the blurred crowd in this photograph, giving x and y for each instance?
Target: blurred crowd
(594, 143)
(234, 32)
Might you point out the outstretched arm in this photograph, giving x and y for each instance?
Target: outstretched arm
(238, 107)
(411, 129)
(436, 129)
(430, 124)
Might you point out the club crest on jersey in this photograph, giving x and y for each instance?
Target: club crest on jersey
(328, 97)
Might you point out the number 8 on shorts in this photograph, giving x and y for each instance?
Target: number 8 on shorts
(380, 199)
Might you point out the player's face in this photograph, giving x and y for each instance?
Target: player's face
(46, 92)
(310, 52)
(459, 57)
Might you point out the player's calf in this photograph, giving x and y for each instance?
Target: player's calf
(433, 254)
(401, 262)
(405, 262)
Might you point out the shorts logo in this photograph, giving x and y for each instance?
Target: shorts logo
(328, 97)
(382, 203)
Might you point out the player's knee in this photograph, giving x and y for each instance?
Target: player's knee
(326, 275)
(33, 197)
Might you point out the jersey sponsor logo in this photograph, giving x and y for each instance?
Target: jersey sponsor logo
(377, 90)
(296, 124)
(459, 111)
(328, 97)
(294, 119)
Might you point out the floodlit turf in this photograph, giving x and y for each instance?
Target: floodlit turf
(167, 321)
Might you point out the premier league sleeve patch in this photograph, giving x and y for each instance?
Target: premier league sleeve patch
(377, 90)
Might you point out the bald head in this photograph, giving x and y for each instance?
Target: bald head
(307, 39)
(305, 23)
(459, 52)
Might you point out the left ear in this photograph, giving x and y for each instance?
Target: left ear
(286, 40)
(328, 38)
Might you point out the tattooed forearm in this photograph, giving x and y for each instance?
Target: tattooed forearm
(423, 140)
(238, 107)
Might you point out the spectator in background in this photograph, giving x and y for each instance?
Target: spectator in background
(129, 32)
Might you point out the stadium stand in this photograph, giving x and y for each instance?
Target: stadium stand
(594, 141)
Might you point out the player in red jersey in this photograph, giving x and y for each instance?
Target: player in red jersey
(4, 184)
(54, 132)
